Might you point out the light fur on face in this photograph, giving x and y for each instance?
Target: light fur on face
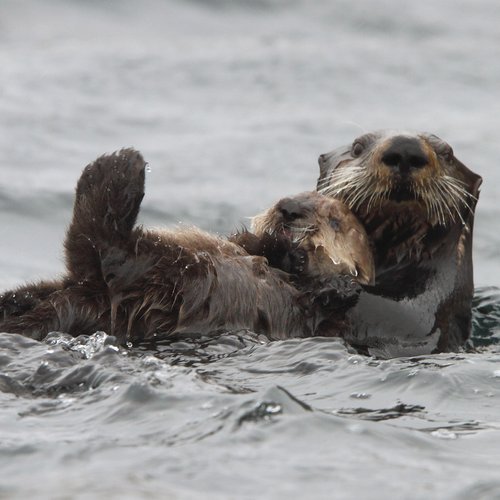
(364, 183)
(334, 240)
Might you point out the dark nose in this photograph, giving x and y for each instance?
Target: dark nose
(404, 155)
(290, 209)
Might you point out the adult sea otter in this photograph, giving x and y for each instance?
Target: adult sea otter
(416, 201)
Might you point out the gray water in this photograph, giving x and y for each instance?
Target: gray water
(231, 102)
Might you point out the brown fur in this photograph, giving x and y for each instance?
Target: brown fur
(138, 284)
(343, 250)
(416, 202)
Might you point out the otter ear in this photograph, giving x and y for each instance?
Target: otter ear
(476, 189)
(328, 162)
(472, 180)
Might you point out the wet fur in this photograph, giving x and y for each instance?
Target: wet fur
(327, 228)
(422, 244)
(138, 284)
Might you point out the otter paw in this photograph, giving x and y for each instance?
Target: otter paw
(120, 169)
(340, 293)
(108, 196)
(297, 260)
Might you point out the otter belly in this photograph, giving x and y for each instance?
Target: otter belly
(389, 328)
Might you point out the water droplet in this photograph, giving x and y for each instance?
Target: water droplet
(273, 408)
(444, 434)
(148, 168)
(129, 345)
(360, 395)
(354, 359)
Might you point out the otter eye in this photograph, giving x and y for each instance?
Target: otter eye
(335, 224)
(357, 149)
(442, 148)
(448, 153)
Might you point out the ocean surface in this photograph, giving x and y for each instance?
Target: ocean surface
(231, 102)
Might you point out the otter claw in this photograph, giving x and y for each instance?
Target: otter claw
(298, 260)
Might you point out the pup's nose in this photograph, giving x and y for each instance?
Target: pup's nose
(290, 209)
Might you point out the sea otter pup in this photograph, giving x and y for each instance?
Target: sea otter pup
(416, 202)
(138, 284)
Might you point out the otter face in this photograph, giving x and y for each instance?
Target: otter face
(386, 168)
(334, 240)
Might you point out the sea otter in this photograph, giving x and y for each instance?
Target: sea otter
(343, 251)
(139, 284)
(416, 201)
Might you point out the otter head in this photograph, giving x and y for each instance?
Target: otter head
(394, 170)
(416, 201)
(334, 240)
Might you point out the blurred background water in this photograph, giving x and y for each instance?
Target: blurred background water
(231, 102)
